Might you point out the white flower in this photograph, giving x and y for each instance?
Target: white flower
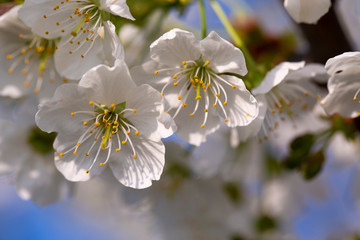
(27, 152)
(286, 92)
(107, 120)
(192, 76)
(307, 11)
(343, 85)
(87, 37)
(26, 60)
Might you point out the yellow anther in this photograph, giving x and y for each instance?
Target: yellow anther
(175, 84)
(46, 32)
(166, 111)
(156, 72)
(36, 91)
(183, 62)
(26, 61)
(112, 132)
(226, 120)
(191, 114)
(117, 150)
(137, 133)
(85, 123)
(95, 139)
(101, 164)
(87, 154)
(91, 102)
(201, 82)
(114, 127)
(45, 16)
(202, 126)
(273, 111)
(123, 142)
(208, 84)
(97, 124)
(87, 171)
(205, 110)
(207, 63)
(115, 122)
(26, 83)
(306, 93)
(70, 52)
(134, 156)
(106, 112)
(225, 103)
(78, 144)
(61, 154)
(184, 105)
(75, 152)
(82, 56)
(10, 70)
(175, 76)
(128, 132)
(57, 23)
(179, 97)
(162, 94)
(247, 115)
(134, 110)
(217, 95)
(91, 131)
(196, 77)
(21, 35)
(23, 71)
(9, 56)
(358, 114)
(214, 105)
(103, 137)
(354, 98)
(112, 105)
(233, 86)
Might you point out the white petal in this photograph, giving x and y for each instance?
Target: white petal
(241, 106)
(32, 14)
(174, 47)
(189, 127)
(276, 76)
(242, 134)
(74, 167)
(117, 7)
(147, 102)
(13, 146)
(139, 173)
(307, 11)
(38, 180)
(343, 85)
(107, 85)
(55, 115)
(222, 55)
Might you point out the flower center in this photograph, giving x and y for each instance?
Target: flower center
(108, 124)
(32, 59)
(85, 23)
(41, 142)
(285, 102)
(208, 86)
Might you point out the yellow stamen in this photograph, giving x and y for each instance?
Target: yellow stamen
(106, 137)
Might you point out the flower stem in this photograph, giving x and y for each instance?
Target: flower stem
(232, 32)
(203, 18)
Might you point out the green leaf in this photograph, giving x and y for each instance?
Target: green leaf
(312, 166)
(233, 192)
(300, 148)
(265, 223)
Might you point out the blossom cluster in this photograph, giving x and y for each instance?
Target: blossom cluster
(71, 103)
